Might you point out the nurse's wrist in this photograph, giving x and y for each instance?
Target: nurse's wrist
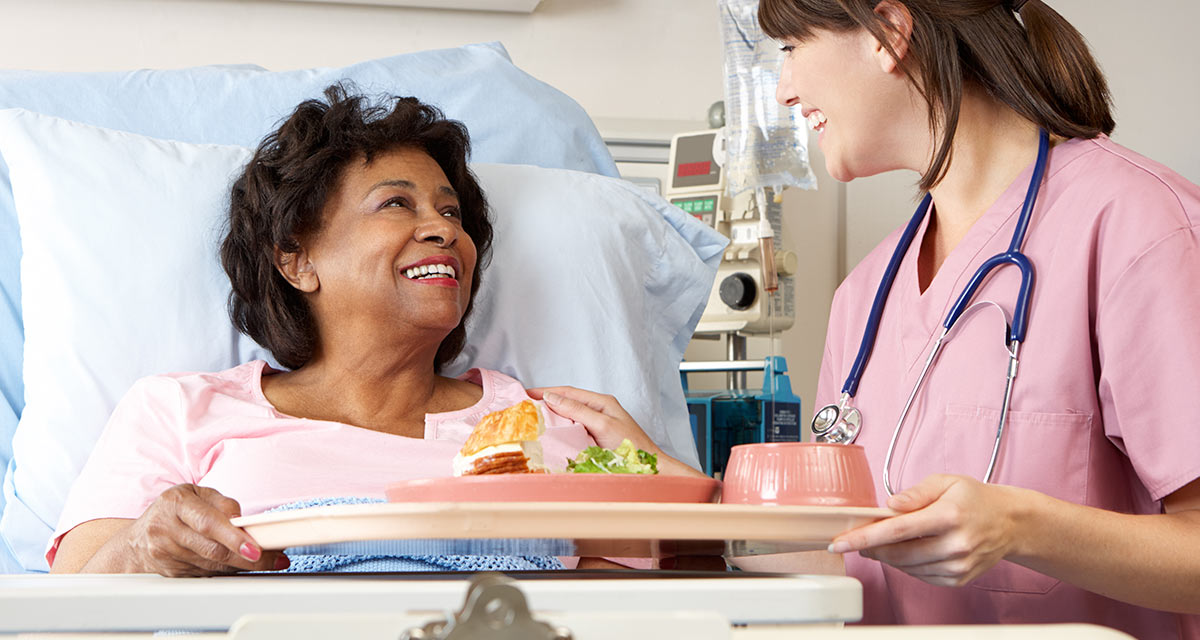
(1031, 516)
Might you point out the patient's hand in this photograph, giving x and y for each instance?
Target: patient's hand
(608, 423)
(185, 532)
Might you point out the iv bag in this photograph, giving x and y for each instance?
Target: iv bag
(764, 145)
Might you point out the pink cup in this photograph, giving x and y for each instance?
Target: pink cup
(799, 473)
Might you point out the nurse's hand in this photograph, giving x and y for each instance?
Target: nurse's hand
(608, 423)
(951, 529)
(187, 532)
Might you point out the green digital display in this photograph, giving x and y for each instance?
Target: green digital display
(696, 206)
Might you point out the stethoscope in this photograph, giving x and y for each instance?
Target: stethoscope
(841, 423)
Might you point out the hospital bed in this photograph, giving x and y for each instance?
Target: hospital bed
(71, 344)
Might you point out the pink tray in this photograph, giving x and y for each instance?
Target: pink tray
(556, 487)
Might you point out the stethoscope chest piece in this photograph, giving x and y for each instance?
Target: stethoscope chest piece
(837, 423)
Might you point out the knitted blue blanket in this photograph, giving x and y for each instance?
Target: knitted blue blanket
(304, 560)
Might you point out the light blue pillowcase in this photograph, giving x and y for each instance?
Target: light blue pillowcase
(512, 117)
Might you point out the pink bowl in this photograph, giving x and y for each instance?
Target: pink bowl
(804, 473)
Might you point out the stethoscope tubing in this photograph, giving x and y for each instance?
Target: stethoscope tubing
(871, 331)
(1013, 256)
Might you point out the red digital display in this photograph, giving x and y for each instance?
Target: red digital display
(693, 169)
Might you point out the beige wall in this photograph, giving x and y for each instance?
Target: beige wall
(618, 58)
(621, 59)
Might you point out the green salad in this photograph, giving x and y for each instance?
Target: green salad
(625, 459)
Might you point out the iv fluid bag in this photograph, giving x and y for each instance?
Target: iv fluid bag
(765, 147)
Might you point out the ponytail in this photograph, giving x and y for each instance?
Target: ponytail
(1078, 85)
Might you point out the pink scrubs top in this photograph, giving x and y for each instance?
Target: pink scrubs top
(1106, 404)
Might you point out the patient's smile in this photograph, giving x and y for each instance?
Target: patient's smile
(438, 270)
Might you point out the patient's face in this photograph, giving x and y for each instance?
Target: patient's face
(392, 254)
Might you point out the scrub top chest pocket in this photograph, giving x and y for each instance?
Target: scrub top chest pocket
(1047, 452)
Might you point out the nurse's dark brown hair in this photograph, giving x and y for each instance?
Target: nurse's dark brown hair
(1035, 61)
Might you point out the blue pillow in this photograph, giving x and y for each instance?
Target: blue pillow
(512, 117)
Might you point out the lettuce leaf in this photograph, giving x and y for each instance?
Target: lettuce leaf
(625, 459)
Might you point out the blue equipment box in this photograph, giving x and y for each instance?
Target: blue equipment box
(726, 418)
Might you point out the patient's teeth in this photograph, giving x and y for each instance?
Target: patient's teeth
(430, 271)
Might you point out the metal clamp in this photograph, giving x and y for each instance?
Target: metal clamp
(495, 609)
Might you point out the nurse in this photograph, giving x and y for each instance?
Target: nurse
(1093, 509)
(1092, 512)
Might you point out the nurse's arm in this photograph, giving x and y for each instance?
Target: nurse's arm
(954, 528)
(1148, 560)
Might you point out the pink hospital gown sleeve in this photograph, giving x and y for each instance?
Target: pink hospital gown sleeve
(140, 454)
(1148, 346)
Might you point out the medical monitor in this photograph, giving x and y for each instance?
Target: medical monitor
(697, 182)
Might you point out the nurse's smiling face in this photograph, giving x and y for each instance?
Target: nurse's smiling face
(867, 115)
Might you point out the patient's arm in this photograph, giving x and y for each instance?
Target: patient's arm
(185, 532)
(81, 543)
(608, 423)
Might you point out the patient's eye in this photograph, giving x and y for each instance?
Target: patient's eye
(396, 202)
(787, 48)
(453, 212)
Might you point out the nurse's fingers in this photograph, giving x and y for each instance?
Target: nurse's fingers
(923, 494)
(950, 572)
(920, 552)
(908, 526)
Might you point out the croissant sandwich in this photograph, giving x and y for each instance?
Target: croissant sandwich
(504, 442)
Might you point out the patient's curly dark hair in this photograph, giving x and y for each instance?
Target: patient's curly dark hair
(280, 195)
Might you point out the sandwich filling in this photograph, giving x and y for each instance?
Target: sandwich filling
(514, 457)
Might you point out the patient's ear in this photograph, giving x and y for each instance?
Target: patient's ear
(297, 269)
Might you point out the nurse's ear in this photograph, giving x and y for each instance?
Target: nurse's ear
(297, 268)
(898, 23)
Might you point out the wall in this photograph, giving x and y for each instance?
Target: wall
(618, 58)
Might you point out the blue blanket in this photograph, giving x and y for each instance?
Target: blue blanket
(304, 560)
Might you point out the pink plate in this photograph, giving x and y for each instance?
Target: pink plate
(556, 487)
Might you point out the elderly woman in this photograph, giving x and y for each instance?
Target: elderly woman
(354, 246)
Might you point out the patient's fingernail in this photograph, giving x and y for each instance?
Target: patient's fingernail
(250, 552)
(840, 546)
(552, 398)
(282, 562)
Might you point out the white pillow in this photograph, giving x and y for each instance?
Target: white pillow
(593, 283)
